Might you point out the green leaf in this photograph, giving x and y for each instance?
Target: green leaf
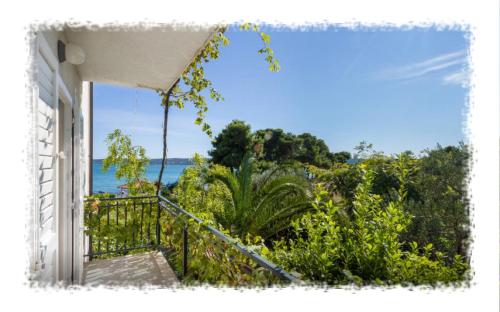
(265, 38)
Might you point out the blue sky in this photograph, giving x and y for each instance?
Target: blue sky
(397, 89)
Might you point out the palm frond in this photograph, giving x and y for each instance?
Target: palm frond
(232, 184)
(281, 219)
(245, 183)
(265, 203)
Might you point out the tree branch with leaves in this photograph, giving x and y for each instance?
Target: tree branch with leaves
(194, 81)
(130, 161)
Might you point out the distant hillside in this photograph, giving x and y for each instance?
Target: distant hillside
(170, 161)
(174, 161)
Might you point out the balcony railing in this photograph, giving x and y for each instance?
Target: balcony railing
(197, 251)
(117, 226)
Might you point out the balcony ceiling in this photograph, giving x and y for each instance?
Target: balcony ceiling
(152, 58)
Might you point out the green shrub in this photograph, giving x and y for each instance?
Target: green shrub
(210, 259)
(363, 248)
(213, 261)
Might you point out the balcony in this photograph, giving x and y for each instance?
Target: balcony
(140, 241)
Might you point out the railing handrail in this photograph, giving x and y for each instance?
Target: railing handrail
(231, 241)
(120, 198)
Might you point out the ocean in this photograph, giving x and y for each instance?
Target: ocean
(106, 181)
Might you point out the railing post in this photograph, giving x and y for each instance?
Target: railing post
(90, 236)
(185, 250)
(90, 247)
(158, 225)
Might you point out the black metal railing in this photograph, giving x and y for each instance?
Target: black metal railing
(117, 226)
(120, 225)
(175, 210)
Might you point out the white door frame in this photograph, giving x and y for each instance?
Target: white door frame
(64, 187)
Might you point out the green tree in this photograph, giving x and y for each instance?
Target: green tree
(340, 157)
(313, 151)
(364, 150)
(231, 144)
(440, 207)
(278, 146)
(261, 204)
(272, 145)
(130, 161)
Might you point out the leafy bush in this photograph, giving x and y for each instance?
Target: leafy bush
(436, 195)
(441, 208)
(333, 247)
(211, 260)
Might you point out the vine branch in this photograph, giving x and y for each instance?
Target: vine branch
(166, 106)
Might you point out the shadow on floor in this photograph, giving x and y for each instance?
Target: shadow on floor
(144, 269)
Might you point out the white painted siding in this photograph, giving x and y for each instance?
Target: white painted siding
(45, 153)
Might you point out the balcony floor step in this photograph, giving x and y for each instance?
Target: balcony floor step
(144, 269)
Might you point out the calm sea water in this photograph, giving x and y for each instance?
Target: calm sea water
(106, 182)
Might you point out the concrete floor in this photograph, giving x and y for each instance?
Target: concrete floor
(144, 269)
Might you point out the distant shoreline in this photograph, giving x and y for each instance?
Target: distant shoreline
(106, 181)
(170, 161)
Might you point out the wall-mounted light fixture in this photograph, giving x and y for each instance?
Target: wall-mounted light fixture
(70, 52)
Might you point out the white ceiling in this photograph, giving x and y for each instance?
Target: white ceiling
(152, 58)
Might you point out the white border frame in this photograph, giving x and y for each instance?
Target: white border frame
(481, 15)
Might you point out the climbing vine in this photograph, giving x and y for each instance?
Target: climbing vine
(194, 81)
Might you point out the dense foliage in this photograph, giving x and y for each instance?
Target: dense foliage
(231, 144)
(439, 203)
(276, 145)
(312, 150)
(436, 193)
(381, 219)
(363, 247)
(272, 145)
(210, 260)
(365, 225)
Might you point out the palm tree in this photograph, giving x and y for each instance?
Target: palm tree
(262, 204)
